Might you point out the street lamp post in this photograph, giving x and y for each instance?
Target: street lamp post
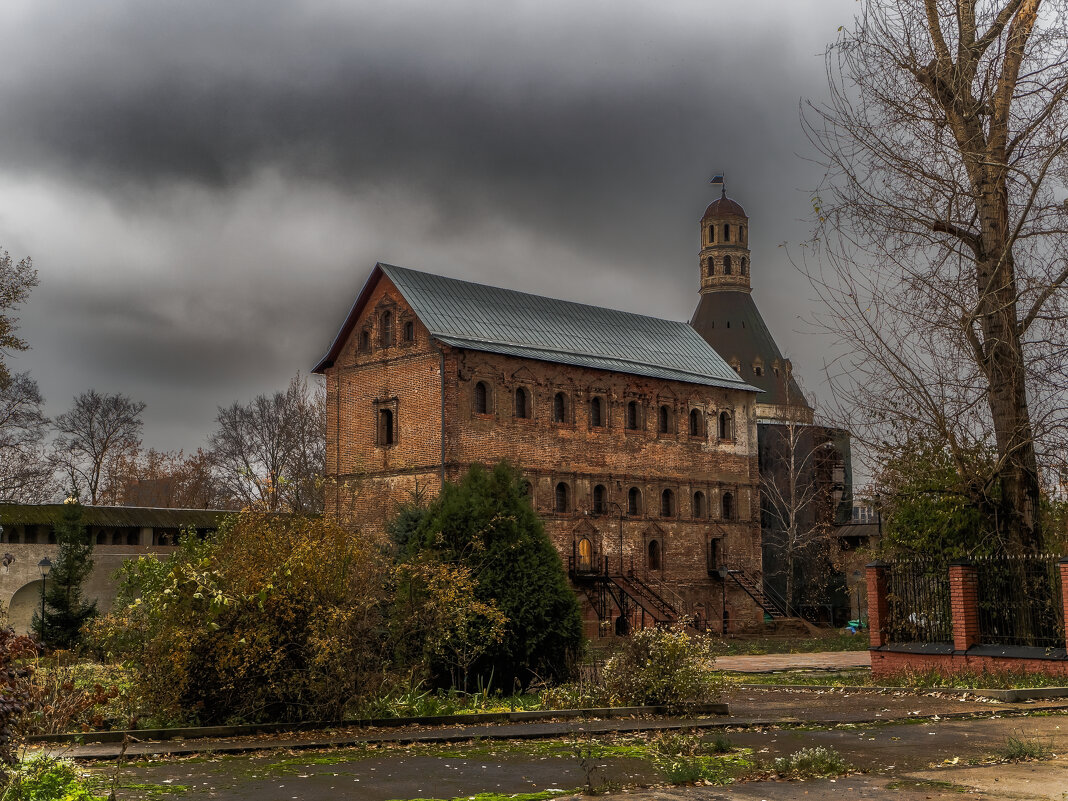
(45, 566)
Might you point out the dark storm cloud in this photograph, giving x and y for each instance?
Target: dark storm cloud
(555, 148)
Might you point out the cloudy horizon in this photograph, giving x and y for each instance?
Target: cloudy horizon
(205, 187)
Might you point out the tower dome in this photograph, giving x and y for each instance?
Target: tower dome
(724, 259)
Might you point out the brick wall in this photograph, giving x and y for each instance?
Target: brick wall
(367, 478)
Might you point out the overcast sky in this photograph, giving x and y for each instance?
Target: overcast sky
(204, 186)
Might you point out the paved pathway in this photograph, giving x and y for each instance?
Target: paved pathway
(769, 663)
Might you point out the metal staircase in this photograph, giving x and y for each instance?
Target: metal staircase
(772, 604)
(622, 592)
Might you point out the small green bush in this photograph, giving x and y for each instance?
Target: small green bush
(684, 758)
(663, 666)
(48, 779)
(812, 763)
(1019, 750)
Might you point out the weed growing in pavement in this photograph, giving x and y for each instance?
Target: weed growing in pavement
(812, 763)
(1017, 749)
(684, 758)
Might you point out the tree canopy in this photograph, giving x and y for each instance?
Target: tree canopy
(941, 246)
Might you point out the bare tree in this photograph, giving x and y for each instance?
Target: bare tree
(798, 486)
(941, 236)
(25, 471)
(165, 479)
(97, 431)
(16, 281)
(271, 452)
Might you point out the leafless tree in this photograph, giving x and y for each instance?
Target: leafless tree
(165, 479)
(271, 453)
(16, 281)
(97, 431)
(26, 473)
(941, 237)
(798, 485)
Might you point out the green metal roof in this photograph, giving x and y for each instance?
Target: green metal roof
(112, 516)
(485, 318)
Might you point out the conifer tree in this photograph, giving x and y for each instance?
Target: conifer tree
(486, 523)
(65, 613)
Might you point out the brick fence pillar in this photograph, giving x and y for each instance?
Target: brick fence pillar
(1064, 591)
(964, 602)
(878, 606)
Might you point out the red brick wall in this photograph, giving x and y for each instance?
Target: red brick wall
(887, 663)
(366, 480)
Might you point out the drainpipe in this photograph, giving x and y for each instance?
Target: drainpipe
(441, 353)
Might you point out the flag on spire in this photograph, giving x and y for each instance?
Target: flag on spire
(717, 178)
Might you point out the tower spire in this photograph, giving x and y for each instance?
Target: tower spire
(724, 257)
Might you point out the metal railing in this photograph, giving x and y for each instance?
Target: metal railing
(1020, 601)
(917, 594)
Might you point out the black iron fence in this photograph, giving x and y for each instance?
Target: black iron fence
(917, 594)
(1020, 601)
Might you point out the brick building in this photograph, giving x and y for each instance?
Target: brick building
(638, 440)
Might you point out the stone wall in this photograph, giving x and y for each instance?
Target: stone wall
(20, 580)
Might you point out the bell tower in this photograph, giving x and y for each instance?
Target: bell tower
(724, 260)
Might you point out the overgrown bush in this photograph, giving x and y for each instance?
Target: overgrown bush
(274, 618)
(16, 672)
(663, 666)
(48, 779)
(66, 695)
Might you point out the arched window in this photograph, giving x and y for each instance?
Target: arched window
(654, 555)
(711, 233)
(101, 538)
(632, 415)
(698, 505)
(726, 232)
(597, 413)
(116, 538)
(481, 398)
(600, 495)
(559, 408)
(663, 420)
(585, 555)
(132, 538)
(711, 266)
(528, 489)
(745, 266)
(697, 423)
(385, 426)
(387, 328)
(726, 430)
(667, 503)
(365, 341)
(563, 497)
(522, 407)
(409, 331)
(726, 265)
(728, 506)
(634, 501)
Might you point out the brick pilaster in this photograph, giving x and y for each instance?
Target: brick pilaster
(1064, 591)
(878, 606)
(964, 602)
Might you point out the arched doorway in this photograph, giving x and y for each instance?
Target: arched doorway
(24, 603)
